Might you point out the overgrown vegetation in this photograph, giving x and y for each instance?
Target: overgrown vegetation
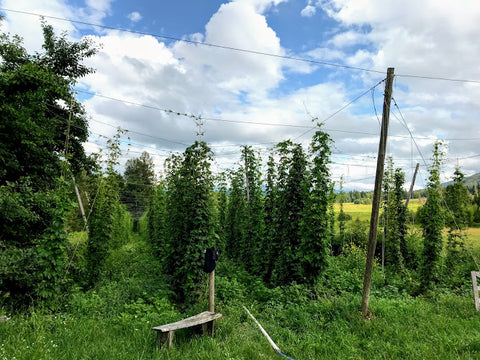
(93, 289)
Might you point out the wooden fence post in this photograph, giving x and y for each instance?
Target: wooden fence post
(475, 275)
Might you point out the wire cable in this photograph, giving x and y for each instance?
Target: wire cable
(172, 38)
(341, 109)
(286, 57)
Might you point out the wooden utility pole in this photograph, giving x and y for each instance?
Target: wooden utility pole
(411, 186)
(377, 192)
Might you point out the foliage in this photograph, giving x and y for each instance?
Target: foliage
(245, 218)
(254, 222)
(139, 179)
(236, 215)
(394, 217)
(108, 223)
(42, 128)
(32, 242)
(342, 216)
(190, 220)
(292, 192)
(41, 119)
(431, 217)
(269, 247)
(156, 218)
(221, 210)
(456, 200)
(305, 323)
(315, 226)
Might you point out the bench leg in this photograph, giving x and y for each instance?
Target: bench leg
(170, 339)
(164, 337)
(161, 338)
(208, 328)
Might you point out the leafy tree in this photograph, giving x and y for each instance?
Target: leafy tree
(139, 177)
(41, 126)
(432, 220)
(41, 119)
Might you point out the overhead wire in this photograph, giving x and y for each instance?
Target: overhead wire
(172, 38)
(240, 121)
(339, 110)
(232, 48)
(450, 212)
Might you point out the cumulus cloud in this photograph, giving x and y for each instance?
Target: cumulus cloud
(134, 16)
(424, 38)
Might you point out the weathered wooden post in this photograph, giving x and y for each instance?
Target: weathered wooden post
(211, 291)
(476, 297)
(211, 257)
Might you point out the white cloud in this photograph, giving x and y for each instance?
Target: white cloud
(237, 25)
(260, 6)
(135, 16)
(308, 11)
(425, 38)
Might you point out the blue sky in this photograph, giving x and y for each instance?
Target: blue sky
(259, 100)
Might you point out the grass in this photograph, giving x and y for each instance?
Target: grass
(363, 212)
(323, 328)
(114, 320)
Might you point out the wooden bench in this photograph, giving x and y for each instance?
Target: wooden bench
(165, 332)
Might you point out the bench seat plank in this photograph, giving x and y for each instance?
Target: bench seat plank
(198, 319)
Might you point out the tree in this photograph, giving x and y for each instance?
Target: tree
(41, 120)
(432, 220)
(139, 177)
(42, 128)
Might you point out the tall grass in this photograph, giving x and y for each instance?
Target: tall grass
(114, 320)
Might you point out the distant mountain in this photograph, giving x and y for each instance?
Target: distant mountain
(469, 181)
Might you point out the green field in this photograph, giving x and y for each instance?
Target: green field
(363, 213)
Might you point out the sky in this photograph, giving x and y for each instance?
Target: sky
(257, 72)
